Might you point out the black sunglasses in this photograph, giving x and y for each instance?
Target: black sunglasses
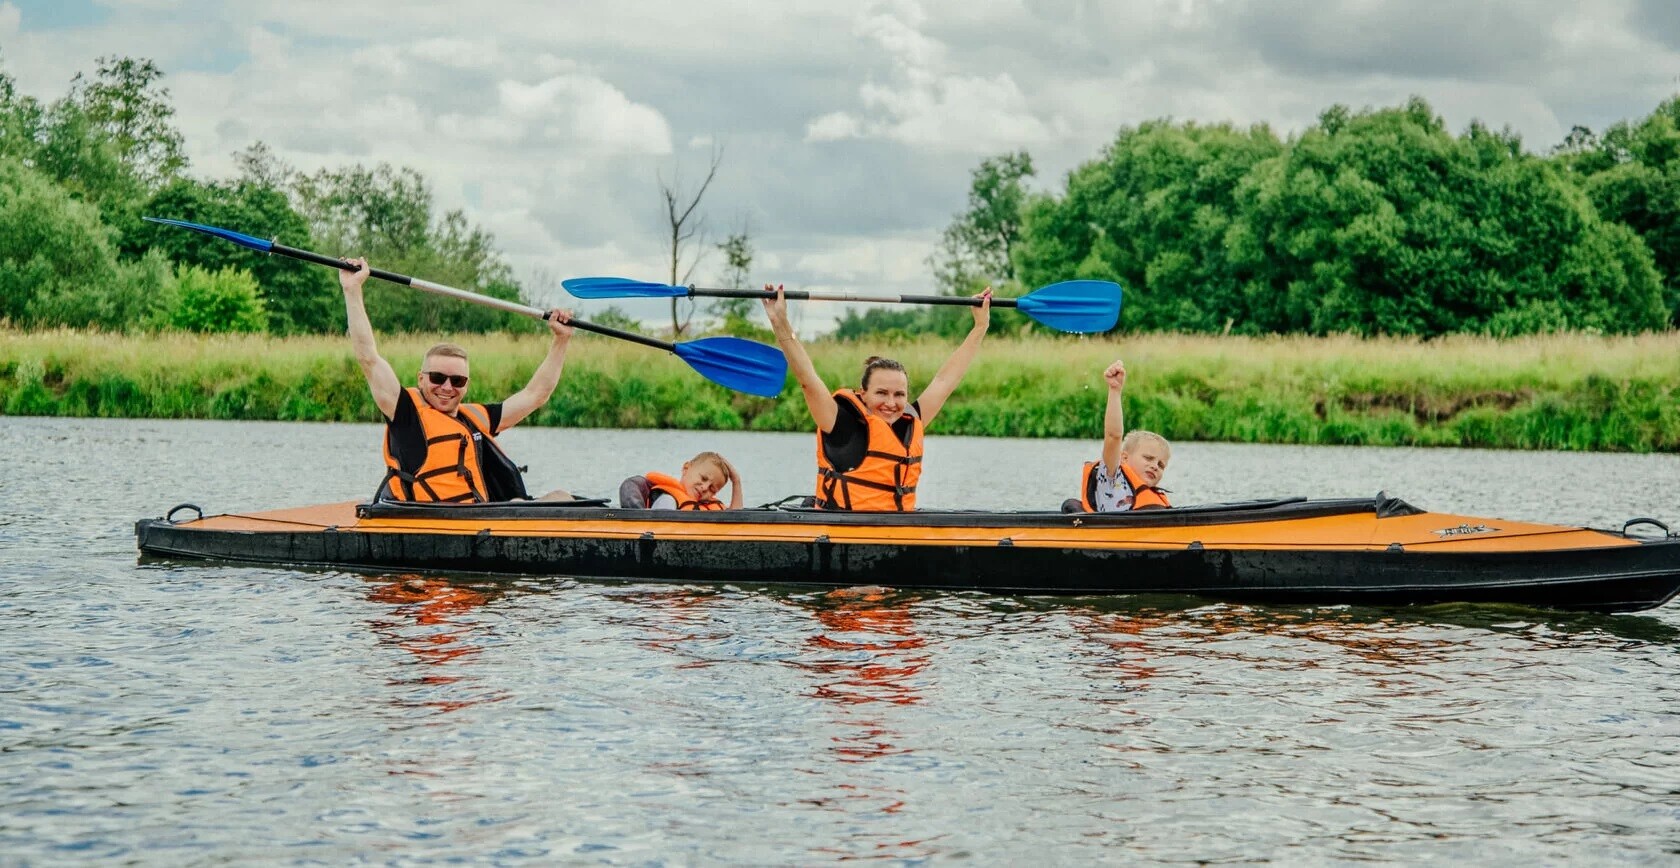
(459, 381)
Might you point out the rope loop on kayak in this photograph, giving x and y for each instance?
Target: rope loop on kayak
(1650, 521)
(170, 515)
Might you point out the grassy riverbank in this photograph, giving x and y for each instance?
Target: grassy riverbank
(1554, 392)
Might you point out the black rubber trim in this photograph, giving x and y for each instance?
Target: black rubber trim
(1219, 513)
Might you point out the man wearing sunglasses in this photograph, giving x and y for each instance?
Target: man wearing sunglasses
(438, 448)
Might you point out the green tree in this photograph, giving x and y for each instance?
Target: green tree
(1153, 213)
(1384, 222)
(892, 324)
(1632, 175)
(613, 316)
(21, 120)
(296, 297)
(385, 214)
(52, 248)
(126, 102)
(735, 314)
(977, 249)
(111, 140)
(226, 300)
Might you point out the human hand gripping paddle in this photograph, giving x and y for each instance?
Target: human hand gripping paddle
(742, 365)
(1079, 306)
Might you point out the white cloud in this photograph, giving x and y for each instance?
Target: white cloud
(863, 264)
(548, 65)
(382, 59)
(10, 17)
(458, 53)
(834, 126)
(894, 27)
(585, 110)
(479, 129)
(927, 104)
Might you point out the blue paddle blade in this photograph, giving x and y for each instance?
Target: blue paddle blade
(258, 244)
(735, 363)
(1080, 306)
(620, 287)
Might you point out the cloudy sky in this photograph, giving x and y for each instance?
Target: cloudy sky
(848, 129)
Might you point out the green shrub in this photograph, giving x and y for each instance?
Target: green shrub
(214, 302)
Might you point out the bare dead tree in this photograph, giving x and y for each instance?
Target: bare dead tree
(685, 226)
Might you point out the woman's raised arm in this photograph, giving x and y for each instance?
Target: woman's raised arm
(818, 397)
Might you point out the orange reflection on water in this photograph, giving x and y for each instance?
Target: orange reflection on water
(1125, 635)
(879, 657)
(869, 657)
(424, 622)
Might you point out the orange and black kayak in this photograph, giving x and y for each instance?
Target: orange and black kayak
(1367, 551)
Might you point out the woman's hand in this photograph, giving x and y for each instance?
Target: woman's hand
(775, 307)
(983, 313)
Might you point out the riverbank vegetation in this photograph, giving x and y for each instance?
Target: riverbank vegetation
(1374, 278)
(1579, 392)
(1374, 221)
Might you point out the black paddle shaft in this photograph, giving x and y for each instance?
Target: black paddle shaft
(806, 295)
(405, 280)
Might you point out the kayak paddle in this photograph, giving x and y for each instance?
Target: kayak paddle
(735, 363)
(1080, 306)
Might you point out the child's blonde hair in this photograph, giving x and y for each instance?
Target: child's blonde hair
(1133, 438)
(713, 458)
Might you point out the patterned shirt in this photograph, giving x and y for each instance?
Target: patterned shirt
(1114, 493)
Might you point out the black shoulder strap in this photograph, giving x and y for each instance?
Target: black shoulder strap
(502, 480)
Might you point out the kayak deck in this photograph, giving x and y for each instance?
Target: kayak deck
(1352, 550)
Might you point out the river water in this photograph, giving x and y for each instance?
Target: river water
(188, 714)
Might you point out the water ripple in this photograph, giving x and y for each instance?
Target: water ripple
(164, 713)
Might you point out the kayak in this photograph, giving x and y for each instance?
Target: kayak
(1378, 551)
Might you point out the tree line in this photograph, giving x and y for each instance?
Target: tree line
(1379, 221)
(77, 174)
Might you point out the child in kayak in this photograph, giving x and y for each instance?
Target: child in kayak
(703, 476)
(1129, 474)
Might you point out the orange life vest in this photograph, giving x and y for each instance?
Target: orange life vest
(1144, 496)
(454, 467)
(885, 481)
(674, 487)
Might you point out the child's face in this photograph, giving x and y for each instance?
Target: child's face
(1148, 460)
(702, 479)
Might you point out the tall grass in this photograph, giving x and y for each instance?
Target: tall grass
(1578, 392)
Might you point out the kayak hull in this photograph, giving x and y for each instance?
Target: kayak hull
(1379, 552)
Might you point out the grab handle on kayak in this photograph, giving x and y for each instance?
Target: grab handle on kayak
(1650, 521)
(170, 515)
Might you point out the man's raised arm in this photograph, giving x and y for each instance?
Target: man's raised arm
(381, 380)
(526, 401)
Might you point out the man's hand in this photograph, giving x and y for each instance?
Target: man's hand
(352, 281)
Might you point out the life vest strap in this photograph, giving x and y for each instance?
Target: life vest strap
(844, 479)
(407, 482)
(893, 456)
